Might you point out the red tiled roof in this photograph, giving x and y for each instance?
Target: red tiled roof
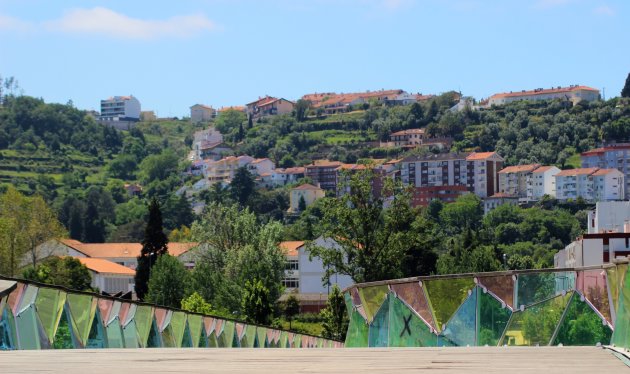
(605, 171)
(579, 171)
(519, 169)
(543, 169)
(480, 155)
(294, 170)
(597, 151)
(103, 266)
(291, 247)
(542, 92)
(236, 107)
(121, 250)
(500, 195)
(307, 186)
(262, 101)
(351, 167)
(408, 132)
(323, 163)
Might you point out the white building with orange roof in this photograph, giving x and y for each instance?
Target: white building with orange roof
(223, 170)
(574, 93)
(109, 276)
(407, 138)
(541, 182)
(306, 192)
(482, 173)
(269, 106)
(513, 179)
(590, 184)
(615, 156)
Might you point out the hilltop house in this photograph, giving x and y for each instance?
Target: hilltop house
(574, 94)
(308, 193)
(269, 106)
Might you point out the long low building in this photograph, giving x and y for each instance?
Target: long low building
(574, 94)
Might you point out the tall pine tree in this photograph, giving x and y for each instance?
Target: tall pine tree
(154, 244)
(626, 88)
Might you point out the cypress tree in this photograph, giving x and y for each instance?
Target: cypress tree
(626, 88)
(154, 244)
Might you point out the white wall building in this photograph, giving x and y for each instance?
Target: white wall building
(591, 184)
(594, 249)
(575, 94)
(609, 216)
(120, 108)
(615, 156)
(542, 182)
(513, 179)
(108, 276)
(261, 166)
(202, 113)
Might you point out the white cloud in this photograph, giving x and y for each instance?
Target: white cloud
(14, 24)
(103, 21)
(604, 10)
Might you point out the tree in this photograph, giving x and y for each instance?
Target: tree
(122, 167)
(372, 238)
(301, 109)
(335, 316)
(242, 186)
(154, 245)
(301, 204)
(158, 167)
(291, 308)
(68, 272)
(465, 213)
(625, 92)
(257, 304)
(196, 304)
(167, 283)
(42, 226)
(416, 115)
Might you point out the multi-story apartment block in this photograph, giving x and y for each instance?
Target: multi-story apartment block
(223, 171)
(445, 176)
(590, 184)
(513, 179)
(482, 173)
(575, 94)
(202, 113)
(541, 182)
(616, 156)
(269, 106)
(323, 173)
(120, 108)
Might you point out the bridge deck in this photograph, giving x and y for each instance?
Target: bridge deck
(403, 360)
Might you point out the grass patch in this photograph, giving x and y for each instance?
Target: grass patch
(575, 161)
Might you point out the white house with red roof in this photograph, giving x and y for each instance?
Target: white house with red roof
(590, 184)
(269, 106)
(513, 179)
(308, 193)
(574, 94)
(541, 182)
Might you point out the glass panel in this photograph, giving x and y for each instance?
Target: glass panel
(63, 338)
(621, 336)
(212, 340)
(271, 338)
(144, 319)
(406, 329)
(592, 284)
(227, 335)
(582, 325)
(218, 326)
(82, 311)
(461, 329)
(297, 341)
(493, 318)
(96, 339)
(261, 337)
(186, 341)
(27, 331)
(178, 324)
(6, 328)
(124, 313)
(501, 286)
(357, 335)
(153, 341)
(445, 296)
(28, 298)
(536, 324)
(160, 317)
(49, 304)
(240, 328)
(130, 334)
(250, 334)
(15, 296)
(372, 298)
(379, 328)
(168, 338)
(413, 295)
(613, 285)
(348, 299)
(284, 338)
(104, 306)
(195, 324)
(208, 325)
(536, 287)
(114, 335)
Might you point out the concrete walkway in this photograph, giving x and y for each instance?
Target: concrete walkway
(402, 360)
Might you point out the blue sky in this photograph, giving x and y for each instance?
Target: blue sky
(228, 52)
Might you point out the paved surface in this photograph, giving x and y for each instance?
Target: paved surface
(403, 360)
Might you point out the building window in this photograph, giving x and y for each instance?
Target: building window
(291, 283)
(292, 265)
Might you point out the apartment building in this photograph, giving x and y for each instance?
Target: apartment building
(541, 182)
(609, 216)
(323, 173)
(574, 94)
(513, 179)
(120, 108)
(482, 173)
(614, 156)
(223, 170)
(269, 106)
(590, 184)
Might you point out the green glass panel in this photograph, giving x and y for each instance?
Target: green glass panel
(372, 298)
(130, 334)
(114, 334)
(250, 332)
(537, 287)
(348, 300)
(96, 339)
(6, 328)
(493, 317)
(297, 341)
(212, 340)
(613, 285)
(461, 329)
(501, 286)
(621, 336)
(406, 329)
(82, 310)
(235, 342)
(29, 296)
(49, 304)
(284, 338)
(261, 334)
(168, 338)
(27, 331)
(154, 341)
(187, 338)
(445, 296)
(227, 335)
(537, 323)
(63, 336)
(357, 335)
(412, 294)
(582, 326)
(178, 323)
(379, 328)
(195, 324)
(143, 318)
